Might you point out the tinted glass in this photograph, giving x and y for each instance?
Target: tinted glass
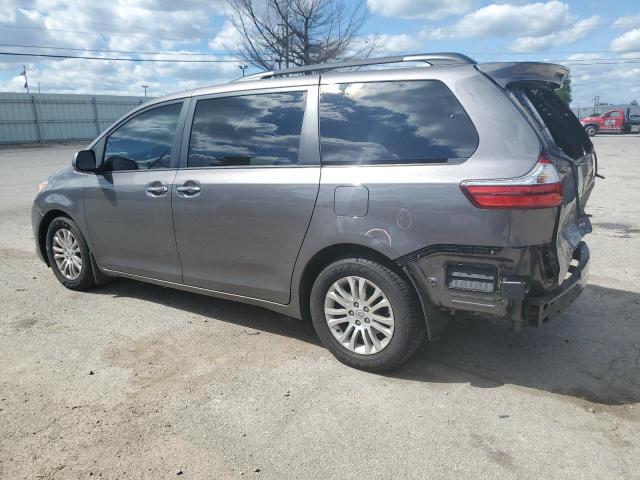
(144, 142)
(247, 130)
(614, 114)
(394, 122)
(564, 127)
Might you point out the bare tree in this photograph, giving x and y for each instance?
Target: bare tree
(287, 33)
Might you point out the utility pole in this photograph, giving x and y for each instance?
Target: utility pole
(243, 67)
(286, 41)
(26, 81)
(145, 89)
(596, 104)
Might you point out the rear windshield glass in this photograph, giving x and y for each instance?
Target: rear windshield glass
(394, 123)
(563, 125)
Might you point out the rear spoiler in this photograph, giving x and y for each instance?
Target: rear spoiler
(506, 73)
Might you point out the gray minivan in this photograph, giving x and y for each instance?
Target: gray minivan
(379, 203)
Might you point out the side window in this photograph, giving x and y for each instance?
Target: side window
(395, 123)
(248, 130)
(144, 142)
(614, 114)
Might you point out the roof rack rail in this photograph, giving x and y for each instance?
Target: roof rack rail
(443, 58)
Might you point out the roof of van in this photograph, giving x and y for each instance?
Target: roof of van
(502, 73)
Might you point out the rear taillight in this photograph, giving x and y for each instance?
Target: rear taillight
(540, 188)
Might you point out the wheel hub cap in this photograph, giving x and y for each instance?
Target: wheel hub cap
(67, 254)
(359, 315)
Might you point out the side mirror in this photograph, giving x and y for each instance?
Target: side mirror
(85, 161)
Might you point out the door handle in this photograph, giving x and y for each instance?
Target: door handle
(157, 190)
(188, 189)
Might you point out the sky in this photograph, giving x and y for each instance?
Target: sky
(598, 39)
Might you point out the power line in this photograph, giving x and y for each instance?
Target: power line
(576, 62)
(116, 59)
(567, 52)
(133, 52)
(592, 61)
(153, 30)
(213, 53)
(22, 27)
(606, 62)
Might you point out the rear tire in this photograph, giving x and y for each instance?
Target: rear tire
(591, 130)
(69, 255)
(345, 299)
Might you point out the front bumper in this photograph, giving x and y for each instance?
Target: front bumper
(36, 218)
(539, 310)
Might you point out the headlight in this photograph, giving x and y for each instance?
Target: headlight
(42, 186)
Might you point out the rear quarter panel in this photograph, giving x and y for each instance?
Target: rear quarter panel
(414, 206)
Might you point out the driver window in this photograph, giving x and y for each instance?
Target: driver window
(144, 142)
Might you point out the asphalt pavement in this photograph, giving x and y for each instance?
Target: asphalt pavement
(138, 381)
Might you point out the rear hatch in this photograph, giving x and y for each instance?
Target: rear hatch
(565, 142)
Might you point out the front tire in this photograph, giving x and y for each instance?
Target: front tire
(591, 130)
(69, 255)
(366, 314)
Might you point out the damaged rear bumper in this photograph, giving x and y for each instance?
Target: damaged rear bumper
(539, 310)
(514, 284)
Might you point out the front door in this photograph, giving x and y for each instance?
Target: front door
(613, 121)
(244, 199)
(128, 202)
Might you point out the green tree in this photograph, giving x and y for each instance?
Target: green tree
(564, 92)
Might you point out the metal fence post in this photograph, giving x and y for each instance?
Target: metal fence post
(35, 118)
(95, 115)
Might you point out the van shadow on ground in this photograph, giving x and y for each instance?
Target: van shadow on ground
(591, 352)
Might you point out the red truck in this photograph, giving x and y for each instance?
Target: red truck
(613, 121)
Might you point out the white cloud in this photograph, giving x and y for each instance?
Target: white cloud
(431, 9)
(506, 19)
(398, 43)
(627, 41)
(585, 56)
(537, 43)
(145, 25)
(537, 26)
(385, 44)
(120, 78)
(616, 83)
(628, 21)
(227, 39)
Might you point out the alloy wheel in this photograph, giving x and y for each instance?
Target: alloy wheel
(359, 315)
(67, 254)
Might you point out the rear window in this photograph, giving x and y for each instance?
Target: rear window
(394, 123)
(562, 124)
